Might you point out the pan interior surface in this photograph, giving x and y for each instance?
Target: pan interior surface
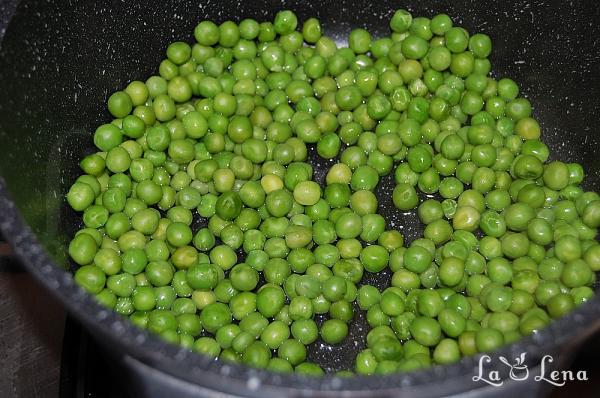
(59, 64)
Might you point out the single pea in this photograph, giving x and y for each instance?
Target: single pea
(333, 331)
(215, 316)
(487, 339)
(405, 197)
(426, 331)
(576, 273)
(91, 278)
(83, 249)
(293, 351)
(305, 331)
(392, 303)
(307, 193)
(270, 299)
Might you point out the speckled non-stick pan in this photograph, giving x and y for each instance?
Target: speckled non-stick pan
(60, 59)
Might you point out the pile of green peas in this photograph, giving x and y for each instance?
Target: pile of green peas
(221, 135)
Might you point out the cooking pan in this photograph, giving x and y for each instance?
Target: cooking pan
(59, 60)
